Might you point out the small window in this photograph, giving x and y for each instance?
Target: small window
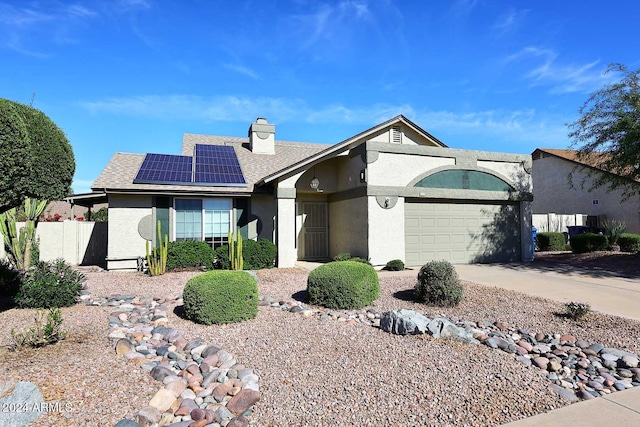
(464, 180)
(596, 202)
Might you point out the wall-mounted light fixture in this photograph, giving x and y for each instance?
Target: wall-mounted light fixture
(315, 182)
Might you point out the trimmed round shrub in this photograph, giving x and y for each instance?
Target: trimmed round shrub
(49, 284)
(256, 255)
(588, 242)
(343, 285)
(344, 256)
(438, 284)
(394, 265)
(358, 259)
(550, 241)
(259, 255)
(189, 254)
(218, 297)
(629, 242)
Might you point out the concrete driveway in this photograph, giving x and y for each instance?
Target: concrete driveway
(619, 296)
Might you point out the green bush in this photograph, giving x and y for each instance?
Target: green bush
(395, 265)
(343, 285)
(550, 241)
(358, 259)
(256, 254)
(344, 256)
(588, 242)
(218, 297)
(629, 242)
(49, 284)
(9, 279)
(101, 215)
(189, 254)
(438, 284)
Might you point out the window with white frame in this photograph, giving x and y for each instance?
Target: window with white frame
(203, 219)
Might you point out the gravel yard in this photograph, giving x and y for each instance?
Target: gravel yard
(313, 372)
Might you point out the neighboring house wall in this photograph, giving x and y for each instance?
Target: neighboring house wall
(554, 194)
(77, 242)
(125, 242)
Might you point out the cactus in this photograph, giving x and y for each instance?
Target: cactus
(18, 243)
(236, 262)
(157, 257)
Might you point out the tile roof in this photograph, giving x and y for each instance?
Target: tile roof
(123, 167)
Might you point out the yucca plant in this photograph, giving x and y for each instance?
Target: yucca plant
(613, 228)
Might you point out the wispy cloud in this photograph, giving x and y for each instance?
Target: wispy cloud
(22, 24)
(547, 70)
(508, 22)
(329, 20)
(519, 125)
(243, 70)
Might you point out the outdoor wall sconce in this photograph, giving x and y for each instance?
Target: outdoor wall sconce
(315, 182)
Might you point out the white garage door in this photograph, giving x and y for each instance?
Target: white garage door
(462, 232)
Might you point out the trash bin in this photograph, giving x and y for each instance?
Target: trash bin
(574, 230)
(534, 233)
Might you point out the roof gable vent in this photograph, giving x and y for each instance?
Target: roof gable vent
(396, 135)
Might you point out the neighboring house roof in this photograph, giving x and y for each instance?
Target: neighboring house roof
(594, 161)
(123, 167)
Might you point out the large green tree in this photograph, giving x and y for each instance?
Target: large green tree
(39, 162)
(607, 134)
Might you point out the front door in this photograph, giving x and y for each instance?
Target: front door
(314, 236)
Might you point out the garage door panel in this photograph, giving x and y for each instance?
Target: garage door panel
(461, 232)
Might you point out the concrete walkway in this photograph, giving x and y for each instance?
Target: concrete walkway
(618, 296)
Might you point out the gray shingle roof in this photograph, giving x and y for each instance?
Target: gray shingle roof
(123, 167)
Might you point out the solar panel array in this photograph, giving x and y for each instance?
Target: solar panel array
(215, 165)
(164, 169)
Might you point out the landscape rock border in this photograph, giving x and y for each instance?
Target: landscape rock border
(577, 369)
(202, 384)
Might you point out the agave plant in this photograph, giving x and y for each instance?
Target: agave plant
(613, 228)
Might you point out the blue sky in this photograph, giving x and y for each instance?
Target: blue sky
(135, 75)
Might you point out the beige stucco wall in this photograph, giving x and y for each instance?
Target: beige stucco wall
(348, 229)
(125, 212)
(552, 193)
(386, 239)
(399, 169)
(263, 207)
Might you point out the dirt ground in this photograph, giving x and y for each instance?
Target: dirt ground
(611, 263)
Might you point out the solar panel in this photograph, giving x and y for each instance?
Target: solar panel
(165, 169)
(217, 165)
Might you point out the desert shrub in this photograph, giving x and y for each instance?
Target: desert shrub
(189, 254)
(42, 333)
(259, 254)
(395, 265)
(344, 256)
(588, 242)
(218, 297)
(9, 279)
(49, 284)
(577, 310)
(438, 284)
(256, 254)
(613, 228)
(361, 260)
(343, 285)
(629, 242)
(550, 241)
